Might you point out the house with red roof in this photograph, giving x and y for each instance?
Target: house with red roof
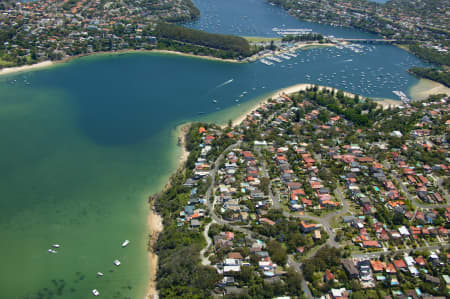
(267, 221)
(377, 266)
(229, 236)
(420, 261)
(399, 264)
(390, 269)
(328, 276)
(209, 139)
(306, 202)
(423, 179)
(408, 171)
(307, 227)
(247, 155)
(371, 244)
(315, 184)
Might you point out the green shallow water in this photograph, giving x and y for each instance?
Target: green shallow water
(83, 144)
(59, 186)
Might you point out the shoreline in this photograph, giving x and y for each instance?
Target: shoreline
(26, 68)
(181, 135)
(48, 63)
(155, 221)
(297, 46)
(422, 89)
(384, 102)
(155, 225)
(425, 87)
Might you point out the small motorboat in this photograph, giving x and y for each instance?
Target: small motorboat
(52, 251)
(100, 274)
(56, 245)
(95, 292)
(124, 244)
(117, 263)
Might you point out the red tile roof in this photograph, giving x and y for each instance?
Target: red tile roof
(399, 264)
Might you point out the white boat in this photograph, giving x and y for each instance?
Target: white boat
(117, 263)
(52, 251)
(273, 59)
(95, 292)
(266, 62)
(99, 274)
(284, 56)
(55, 245)
(124, 244)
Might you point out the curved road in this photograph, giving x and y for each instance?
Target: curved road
(325, 221)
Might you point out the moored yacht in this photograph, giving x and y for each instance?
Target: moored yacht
(95, 292)
(125, 243)
(117, 263)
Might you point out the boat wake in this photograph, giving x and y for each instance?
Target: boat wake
(344, 61)
(225, 83)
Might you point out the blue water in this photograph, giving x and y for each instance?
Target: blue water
(257, 18)
(84, 143)
(371, 70)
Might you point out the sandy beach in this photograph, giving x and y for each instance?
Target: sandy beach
(385, 103)
(155, 226)
(47, 63)
(424, 88)
(25, 68)
(181, 133)
(155, 223)
(196, 56)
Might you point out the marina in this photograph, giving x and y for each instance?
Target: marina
(273, 58)
(291, 31)
(102, 130)
(403, 97)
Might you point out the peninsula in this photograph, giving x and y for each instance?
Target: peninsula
(419, 26)
(313, 193)
(37, 31)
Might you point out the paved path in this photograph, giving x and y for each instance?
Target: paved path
(326, 220)
(378, 253)
(211, 204)
(297, 267)
(275, 199)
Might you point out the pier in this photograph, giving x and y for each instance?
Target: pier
(366, 40)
